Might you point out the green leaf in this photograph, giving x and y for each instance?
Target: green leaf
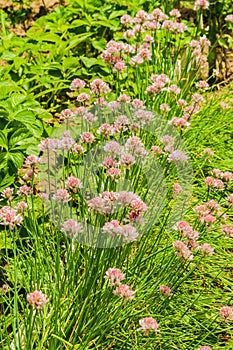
(3, 140)
(89, 62)
(17, 159)
(77, 40)
(116, 14)
(17, 99)
(99, 44)
(69, 62)
(24, 116)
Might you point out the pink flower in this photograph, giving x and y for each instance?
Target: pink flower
(164, 107)
(113, 227)
(115, 276)
(174, 88)
(127, 160)
(156, 150)
(202, 85)
(66, 114)
(177, 189)
(205, 348)
(130, 233)
(29, 175)
(8, 193)
(113, 147)
(32, 160)
(148, 324)
(201, 5)
(98, 86)
(71, 228)
(87, 138)
(78, 149)
(62, 196)
(126, 20)
(177, 157)
(206, 249)
(182, 251)
(109, 162)
(44, 196)
(214, 183)
(181, 103)
(197, 98)
(224, 105)
(113, 173)
(227, 230)
(24, 191)
(226, 313)
(166, 290)
(229, 18)
(137, 104)
(83, 97)
(123, 98)
(119, 67)
(106, 130)
(21, 206)
(73, 183)
(175, 13)
(77, 84)
(124, 291)
(37, 299)
(138, 206)
(208, 151)
(9, 216)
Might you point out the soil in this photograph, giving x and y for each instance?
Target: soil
(22, 16)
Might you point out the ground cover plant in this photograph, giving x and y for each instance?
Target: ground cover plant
(116, 184)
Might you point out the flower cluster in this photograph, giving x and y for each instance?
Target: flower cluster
(115, 276)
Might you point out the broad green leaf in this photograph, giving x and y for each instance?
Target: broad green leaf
(77, 40)
(3, 140)
(89, 62)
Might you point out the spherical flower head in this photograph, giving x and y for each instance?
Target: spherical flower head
(138, 206)
(72, 228)
(178, 157)
(130, 233)
(113, 147)
(202, 85)
(181, 103)
(24, 191)
(113, 173)
(197, 98)
(124, 291)
(114, 276)
(208, 151)
(73, 184)
(62, 196)
(83, 97)
(119, 67)
(148, 324)
(165, 289)
(205, 348)
(164, 107)
(126, 20)
(224, 105)
(67, 114)
(201, 5)
(182, 251)
(175, 13)
(77, 84)
(123, 98)
(98, 86)
(78, 149)
(8, 193)
(87, 138)
(177, 189)
(229, 18)
(156, 150)
(127, 160)
(206, 249)
(37, 299)
(9, 216)
(227, 230)
(226, 313)
(21, 206)
(32, 160)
